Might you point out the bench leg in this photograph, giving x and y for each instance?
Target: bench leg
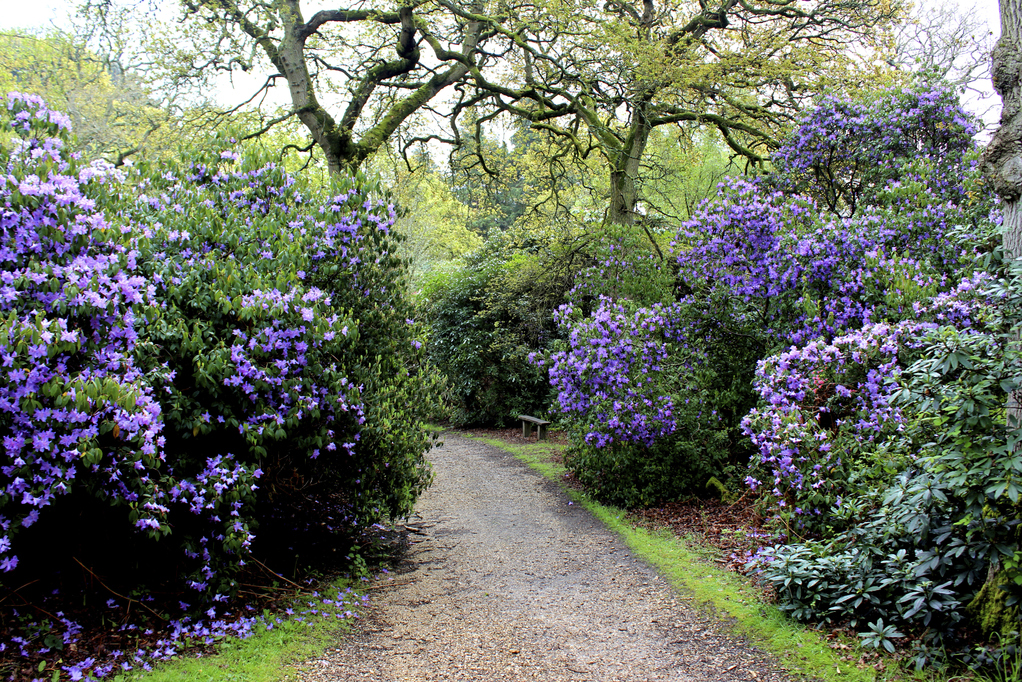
(542, 432)
(526, 429)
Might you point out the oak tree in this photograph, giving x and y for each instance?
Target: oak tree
(603, 75)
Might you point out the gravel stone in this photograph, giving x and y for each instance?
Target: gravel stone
(506, 580)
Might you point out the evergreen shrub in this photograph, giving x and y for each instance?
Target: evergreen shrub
(202, 348)
(483, 323)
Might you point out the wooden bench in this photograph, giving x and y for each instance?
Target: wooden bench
(529, 422)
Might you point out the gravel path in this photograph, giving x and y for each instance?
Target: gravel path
(509, 581)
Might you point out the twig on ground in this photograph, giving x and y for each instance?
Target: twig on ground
(118, 594)
(272, 572)
(16, 590)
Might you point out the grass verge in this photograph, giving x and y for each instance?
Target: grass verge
(802, 651)
(271, 654)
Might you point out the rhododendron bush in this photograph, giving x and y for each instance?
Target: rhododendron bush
(843, 325)
(630, 394)
(874, 216)
(207, 347)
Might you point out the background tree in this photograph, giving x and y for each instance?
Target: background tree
(604, 76)
(942, 44)
(371, 57)
(112, 112)
(487, 175)
(433, 222)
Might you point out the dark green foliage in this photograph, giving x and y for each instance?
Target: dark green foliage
(288, 336)
(724, 371)
(484, 320)
(880, 567)
(632, 475)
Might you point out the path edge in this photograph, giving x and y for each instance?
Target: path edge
(801, 651)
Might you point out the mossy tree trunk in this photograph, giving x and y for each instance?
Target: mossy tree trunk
(1002, 168)
(1002, 160)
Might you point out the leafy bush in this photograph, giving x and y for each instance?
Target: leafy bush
(633, 475)
(901, 563)
(940, 546)
(632, 407)
(762, 266)
(483, 322)
(175, 337)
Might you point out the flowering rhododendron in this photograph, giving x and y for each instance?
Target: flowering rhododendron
(174, 341)
(852, 233)
(78, 408)
(612, 375)
(827, 409)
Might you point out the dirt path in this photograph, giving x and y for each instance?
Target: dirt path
(510, 582)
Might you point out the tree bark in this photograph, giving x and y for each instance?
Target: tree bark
(625, 172)
(1002, 159)
(345, 147)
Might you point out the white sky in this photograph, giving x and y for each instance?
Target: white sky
(33, 14)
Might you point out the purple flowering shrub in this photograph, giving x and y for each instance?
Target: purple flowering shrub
(772, 266)
(632, 405)
(78, 409)
(289, 343)
(827, 420)
(208, 347)
(613, 378)
(846, 153)
(850, 237)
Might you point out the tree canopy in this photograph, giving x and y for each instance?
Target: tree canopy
(600, 74)
(111, 110)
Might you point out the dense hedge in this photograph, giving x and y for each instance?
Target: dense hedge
(484, 320)
(206, 347)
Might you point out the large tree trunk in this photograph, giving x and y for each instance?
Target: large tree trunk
(1002, 168)
(624, 172)
(1002, 160)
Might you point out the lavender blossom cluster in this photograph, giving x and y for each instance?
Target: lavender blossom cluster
(78, 408)
(612, 376)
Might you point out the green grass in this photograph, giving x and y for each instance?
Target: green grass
(269, 655)
(801, 650)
